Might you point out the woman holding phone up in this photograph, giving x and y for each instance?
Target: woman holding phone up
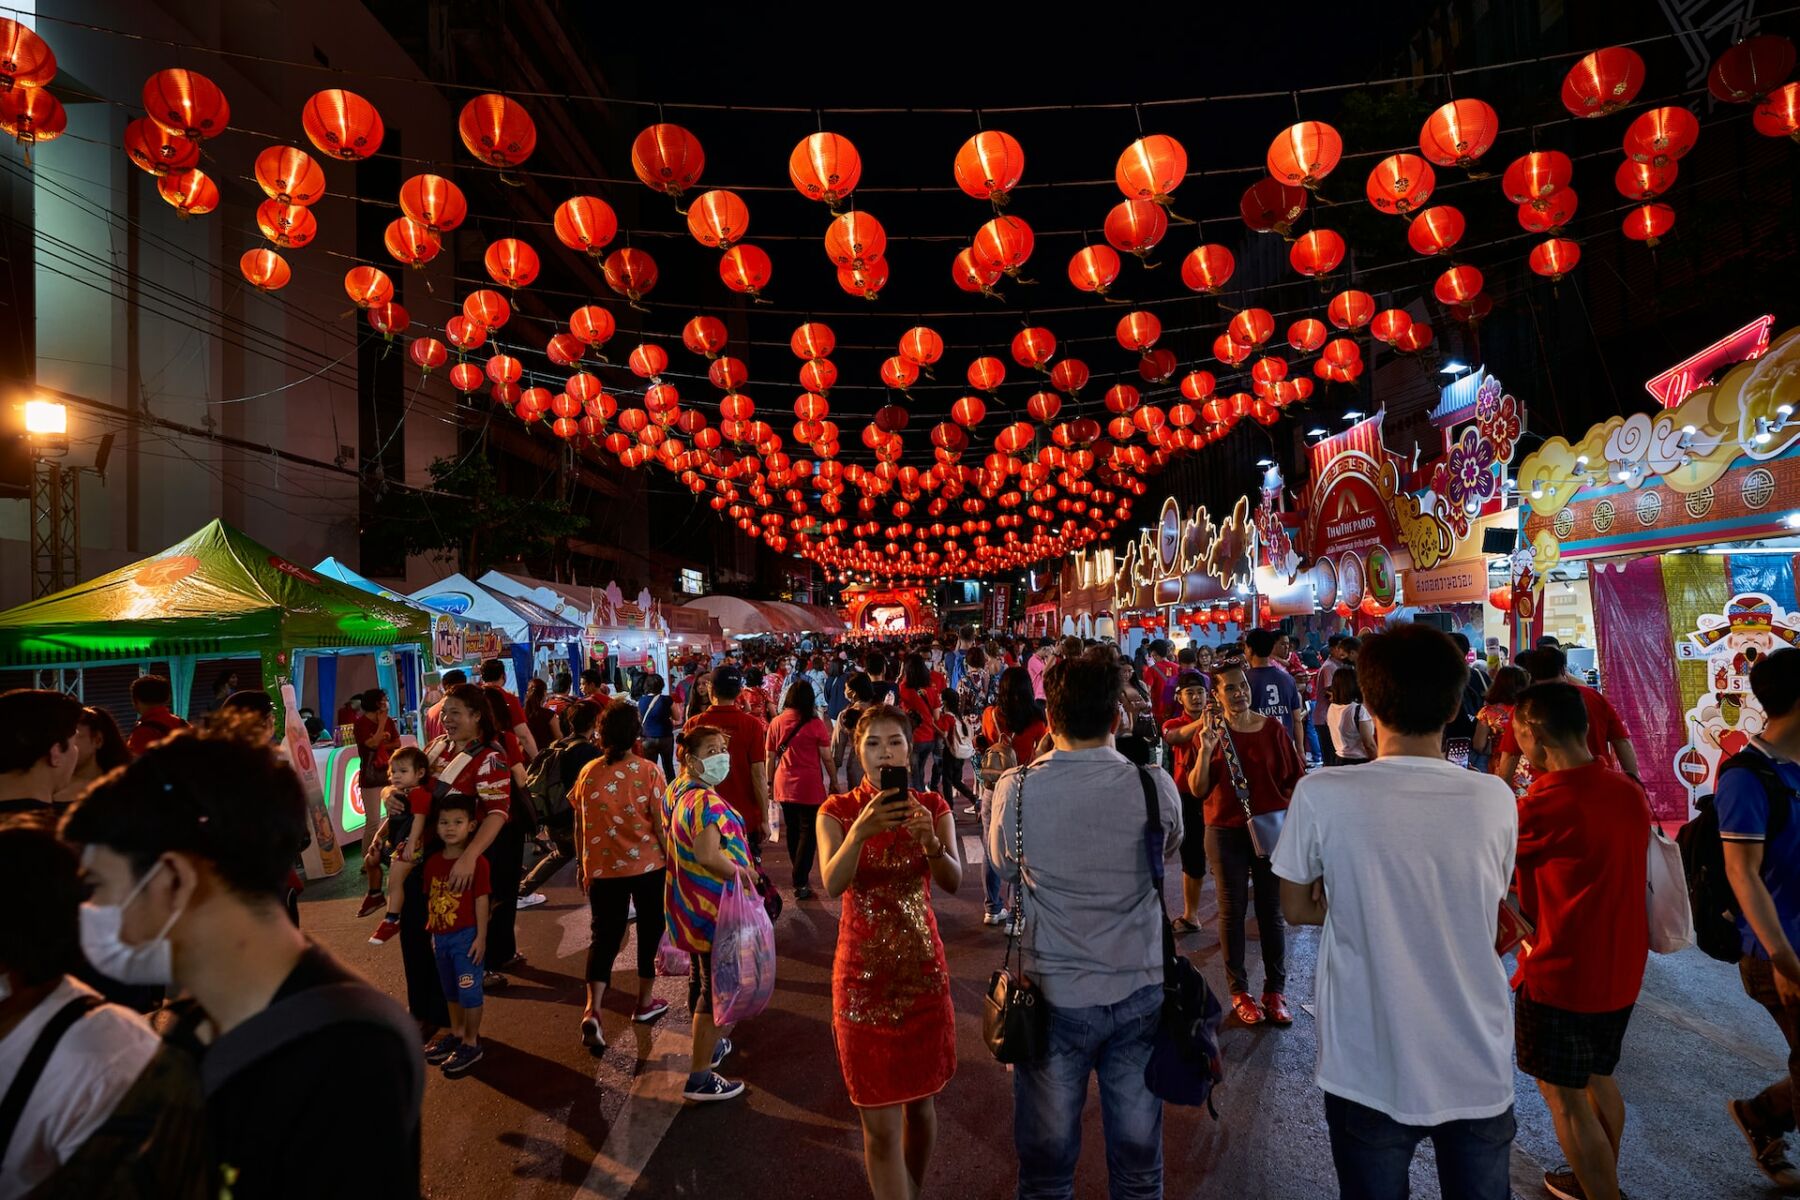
(883, 846)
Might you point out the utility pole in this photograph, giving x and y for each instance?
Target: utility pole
(55, 527)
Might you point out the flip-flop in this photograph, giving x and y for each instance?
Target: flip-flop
(1183, 925)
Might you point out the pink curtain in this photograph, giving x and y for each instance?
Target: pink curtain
(1637, 673)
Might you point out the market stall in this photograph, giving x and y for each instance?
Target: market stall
(219, 594)
(1683, 521)
(535, 636)
(888, 611)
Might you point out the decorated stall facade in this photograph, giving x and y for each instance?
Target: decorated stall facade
(1667, 510)
(531, 631)
(887, 610)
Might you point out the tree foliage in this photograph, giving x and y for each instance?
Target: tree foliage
(467, 519)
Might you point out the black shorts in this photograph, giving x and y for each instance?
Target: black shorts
(700, 983)
(1193, 836)
(1564, 1048)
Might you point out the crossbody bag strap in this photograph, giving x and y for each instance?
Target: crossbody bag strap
(1153, 844)
(12, 1108)
(1235, 766)
(1018, 921)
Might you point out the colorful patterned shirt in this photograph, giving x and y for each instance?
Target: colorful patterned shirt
(692, 893)
(619, 812)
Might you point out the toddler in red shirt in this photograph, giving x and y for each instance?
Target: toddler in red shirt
(456, 916)
(399, 838)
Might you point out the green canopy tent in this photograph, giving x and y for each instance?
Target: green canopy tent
(215, 594)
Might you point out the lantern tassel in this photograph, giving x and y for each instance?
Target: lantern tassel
(517, 181)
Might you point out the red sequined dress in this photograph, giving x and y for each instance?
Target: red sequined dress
(890, 990)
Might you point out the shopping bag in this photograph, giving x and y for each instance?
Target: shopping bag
(671, 959)
(743, 954)
(1671, 918)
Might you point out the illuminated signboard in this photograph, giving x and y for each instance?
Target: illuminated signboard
(1688, 376)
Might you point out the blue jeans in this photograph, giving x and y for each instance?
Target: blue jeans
(460, 978)
(1372, 1152)
(1313, 738)
(1113, 1040)
(923, 765)
(993, 886)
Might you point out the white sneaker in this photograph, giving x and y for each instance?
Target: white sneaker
(533, 900)
(630, 911)
(996, 918)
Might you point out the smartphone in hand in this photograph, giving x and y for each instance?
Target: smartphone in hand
(897, 779)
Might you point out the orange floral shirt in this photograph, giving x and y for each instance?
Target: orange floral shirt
(619, 818)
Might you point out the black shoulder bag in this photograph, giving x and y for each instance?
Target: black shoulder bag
(1185, 1064)
(1015, 1020)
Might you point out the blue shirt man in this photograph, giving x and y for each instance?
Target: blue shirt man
(1743, 806)
(1273, 692)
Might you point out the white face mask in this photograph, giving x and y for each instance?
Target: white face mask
(714, 768)
(150, 962)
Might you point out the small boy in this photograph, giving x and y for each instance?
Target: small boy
(458, 924)
(409, 775)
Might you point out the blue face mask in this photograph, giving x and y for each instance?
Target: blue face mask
(714, 768)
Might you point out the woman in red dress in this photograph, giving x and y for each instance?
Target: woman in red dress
(890, 990)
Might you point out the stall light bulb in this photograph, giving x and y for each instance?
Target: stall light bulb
(1581, 460)
(1537, 493)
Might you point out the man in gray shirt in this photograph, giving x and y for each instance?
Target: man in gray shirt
(1092, 934)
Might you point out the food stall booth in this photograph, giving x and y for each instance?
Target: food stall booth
(1684, 521)
(218, 594)
(535, 637)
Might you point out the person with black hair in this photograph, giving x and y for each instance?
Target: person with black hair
(1584, 830)
(99, 747)
(859, 692)
(399, 841)
(1608, 739)
(1181, 733)
(1352, 733)
(919, 700)
(225, 683)
(457, 919)
(1492, 722)
(593, 686)
(1273, 691)
(1762, 861)
(151, 696)
(1405, 862)
(67, 1060)
(746, 786)
(540, 717)
(657, 712)
(799, 747)
(38, 750)
(186, 852)
(433, 722)
(575, 751)
(493, 678)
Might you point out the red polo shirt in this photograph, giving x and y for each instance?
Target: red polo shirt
(747, 733)
(1583, 834)
(1604, 727)
(153, 727)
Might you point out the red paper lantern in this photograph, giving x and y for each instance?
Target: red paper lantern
(1270, 206)
(1459, 133)
(1341, 352)
(1136, 226)
(1228, 350)
(564, 349)
(389, 320)
(1316, 252)
(745, 268)
(971, 275)
(1151, 168)
(728, 374)
(968, 412)
(286, 224)
(1415, 339)
(866, 281)
(592, 324)
(648, 360)
(488, 307)
(265, 270)
(1603, 82)
(1535, 177)
(1661, 135)
(1551, 214)
(921, 346)
(986, 373)
(1157, 365)
(151, 147)
(497, 130)
(32, 115)
(1748, 71)
(1207, 268)
(704, 335)
(191, 192)
(1004, 243)
(854, 239)
(433, 202)
(1306, 334)
(825, 167)
(289, 175)
(813, 340)
(1351, 309)
(1094, 268)
(990, 165)
(1071, 375)
(342, 124)
(1555, 258)
(667, 159)
(410, 242)
(630, 272)
(1389, 324)
(1458, 285)
(1198, 386)
(1138, 330)
(1436, 230)
(186, 103)
(511, 263)
(818, 375)
(26, 60)
(1252, 326)
(717, 219)
(1033, 347)
(1304, 153)
(1268, 371)
(427, 353)
(367, 286)
(1779, 115)
(1649, 223)
(588, 224)
(466, 377)
(899, 373)
(1401, 183)
(811, 407)
(1644, 181)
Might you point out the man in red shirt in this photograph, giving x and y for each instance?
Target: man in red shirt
(150, 696)
(1181, 733)
(1583, 833)
(493, 675)
(746, 787)
(1159, 673)
(1607, 738)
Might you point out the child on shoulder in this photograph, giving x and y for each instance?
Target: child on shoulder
(399, 838)
(456, 916)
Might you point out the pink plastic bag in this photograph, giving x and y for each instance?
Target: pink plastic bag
(743, 963)
(671, 959)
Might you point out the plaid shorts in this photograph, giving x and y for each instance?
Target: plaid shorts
(1564, 1048)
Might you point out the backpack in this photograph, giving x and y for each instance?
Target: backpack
(1714, 905)
(544, 780)
(996, 761)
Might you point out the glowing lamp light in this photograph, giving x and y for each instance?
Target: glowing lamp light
(46, 418)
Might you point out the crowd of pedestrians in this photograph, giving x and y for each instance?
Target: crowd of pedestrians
(1414, 804)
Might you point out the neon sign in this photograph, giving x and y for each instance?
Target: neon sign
(1688, 376)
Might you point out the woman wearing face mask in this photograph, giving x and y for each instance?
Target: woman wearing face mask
(890, 989)
(706, 848)
(186, 851)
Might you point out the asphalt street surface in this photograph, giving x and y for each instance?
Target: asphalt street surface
(540, 1117)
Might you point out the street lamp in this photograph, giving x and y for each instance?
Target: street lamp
(47, 419)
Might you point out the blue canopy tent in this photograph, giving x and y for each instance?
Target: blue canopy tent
(525, 623)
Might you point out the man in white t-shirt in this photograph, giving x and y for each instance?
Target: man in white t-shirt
(1405, 861)
(96, 1050)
